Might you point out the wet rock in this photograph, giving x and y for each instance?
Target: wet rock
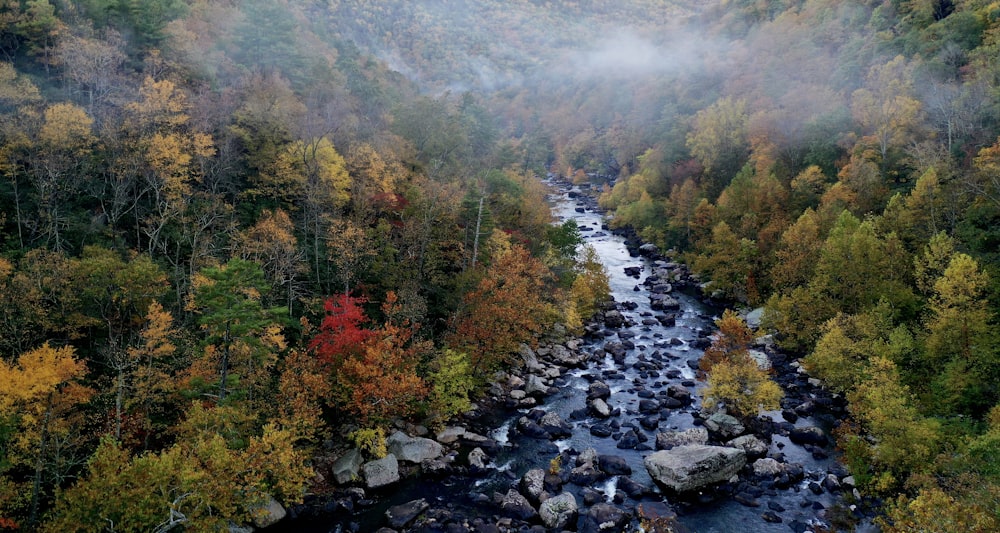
(347, 467)
(647, 406)
(771, 516)
(633, 271)
(412, 449)
(725, 425)
(559, 511)
(605, 518)
(690, 467)
(650, 422)
(754, 447)
(746, 500)
(381, 472)
(634, 489)
(679, 393)
(628, 441)
(789, 415)
(530, 428)
(400, 516)
(599, 408)
(514, 505)
(600, 430)
(585, 475)
(591, 496)
(478, 460)
(614, 319)
(533, 484)
(658, 514)
(808, 435)
(613, 465)
(669, 439)
(555, 426)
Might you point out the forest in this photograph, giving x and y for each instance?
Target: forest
(234, 231)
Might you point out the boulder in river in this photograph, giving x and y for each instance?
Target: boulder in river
(412, 449)
(604, 518)
(808, 435)
(514, 505)
(599, 408)
(533, 484)
(690, 467)
(725, 425)
(381, 472)
(670, 439)
(399, 516)
(559, 511)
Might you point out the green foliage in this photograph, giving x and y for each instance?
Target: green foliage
(371, 441)
(742, 387)
(452, 383)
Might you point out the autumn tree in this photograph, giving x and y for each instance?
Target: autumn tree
(958, 342)
(39, 395)
(719, 141)
(504, 310)
(731, 264)
(271, 243)
(886, 107)
(735, 379)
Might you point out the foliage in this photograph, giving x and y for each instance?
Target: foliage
(742, 387)
(452, 384)
(371, 441)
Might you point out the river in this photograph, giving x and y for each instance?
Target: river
(673, 350)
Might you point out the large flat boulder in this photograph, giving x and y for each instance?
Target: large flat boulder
(413, 449)
(381, 472)
(690, 467)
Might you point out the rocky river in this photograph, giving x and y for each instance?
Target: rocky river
(606, 432)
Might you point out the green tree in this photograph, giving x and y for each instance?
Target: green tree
(242, 337)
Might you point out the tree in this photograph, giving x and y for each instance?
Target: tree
(730, 263)
(886, 108)
(242, 337)
(959, 339)
(732, 341)
(504, 310)
(901, 440)
(735, 379)
(38, 394)
(797, 253)
(271, 243)
(719, 141)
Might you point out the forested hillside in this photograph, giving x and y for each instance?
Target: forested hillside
(235, 230)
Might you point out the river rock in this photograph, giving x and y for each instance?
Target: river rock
(725, 425)
(614, 319)
(613, 465)
(754, 317)
(768, 467)
(808, 435)
(530, 359)
(450, 434)
(559, 511)
(555, 426)
(585, 475)
(268, 514)
(347, 467)
(598, 389)
(669, 439)
(599, 408)
(400, 516)
(690, 467)
(533, 484)
(679, 393)
(605, 518)
(381, 472)
(648, 249)
(514, 505)
(761, 358)
(412, 449)
(478, 459)
(753, 446)
(534, 386)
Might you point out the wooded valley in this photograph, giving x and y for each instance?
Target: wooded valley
(235, 232)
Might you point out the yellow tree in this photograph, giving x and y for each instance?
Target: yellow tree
(271, 243)
(886, 108)
(38, 396)
(63, 141)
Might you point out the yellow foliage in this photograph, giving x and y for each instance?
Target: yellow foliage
(743, 387)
